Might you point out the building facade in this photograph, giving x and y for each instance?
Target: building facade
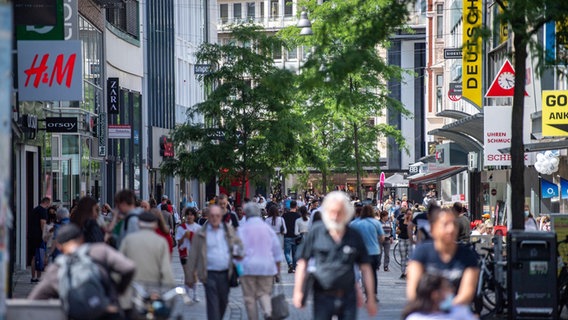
(62, 145)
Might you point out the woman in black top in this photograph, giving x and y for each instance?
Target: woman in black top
(405, 245)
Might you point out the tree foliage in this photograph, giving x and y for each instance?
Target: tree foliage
(343, 83)
(246, 126)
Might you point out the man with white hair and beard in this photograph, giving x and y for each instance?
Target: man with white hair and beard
(331, 249)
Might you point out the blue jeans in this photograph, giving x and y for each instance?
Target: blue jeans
(290, 251)
(327, 306)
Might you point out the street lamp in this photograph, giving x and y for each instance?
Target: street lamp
(305, 24)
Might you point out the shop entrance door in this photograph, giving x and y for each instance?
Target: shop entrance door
(59, 168)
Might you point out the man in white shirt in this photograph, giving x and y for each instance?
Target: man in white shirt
(261, 262)
(211, 258)
(184, 235)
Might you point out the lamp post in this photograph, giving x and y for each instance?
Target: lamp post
(305, 24)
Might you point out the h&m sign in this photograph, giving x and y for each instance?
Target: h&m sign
(50, 70)
(113, 99)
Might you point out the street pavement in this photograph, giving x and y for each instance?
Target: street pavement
(391, 295)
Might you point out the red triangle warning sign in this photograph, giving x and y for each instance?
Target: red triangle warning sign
(504, 83)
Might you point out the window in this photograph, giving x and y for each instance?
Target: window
(288, 8)
(262, 9)
(250, 10)
(277, 53)
(237, 11)
(440, 21)
(125, 17)
(293, 54)
(224, 12)
(439, 84)
(305, 52)
(274, 8)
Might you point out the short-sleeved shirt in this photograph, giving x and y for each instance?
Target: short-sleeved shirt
(403, 228)
(464, 228)
(387, 227)
(334, 261)
(34, 225)
(290, 220)
(370, 229)
(464, 258)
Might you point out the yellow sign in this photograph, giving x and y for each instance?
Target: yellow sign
(555, 113)
(472, 52)
(503, 27)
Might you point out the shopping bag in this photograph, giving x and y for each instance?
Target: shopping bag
(279, 304)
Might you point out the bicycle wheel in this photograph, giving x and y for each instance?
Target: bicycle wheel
(396, 255)
(562, 290)
(485, 301)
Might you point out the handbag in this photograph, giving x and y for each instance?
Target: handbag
(298, 239)
(234, 280)
(280, 308)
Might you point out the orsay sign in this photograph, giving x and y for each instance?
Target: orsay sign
(61, 125)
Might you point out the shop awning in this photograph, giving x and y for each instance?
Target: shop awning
(433, 177)
(471, 126)
(396, 181)
(454, 114)
(465, 141)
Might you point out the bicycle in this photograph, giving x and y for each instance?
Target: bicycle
(562, 280)
(491, 296)
(396, 254)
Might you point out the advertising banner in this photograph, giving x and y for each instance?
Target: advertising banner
(563, 188)
(549, 189)
(119, 131)
(61, 124)
(472, 59)
(555, 113)
(50, 70)
(496, 135)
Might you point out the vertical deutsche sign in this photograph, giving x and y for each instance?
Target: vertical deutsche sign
(472, 59)
(113, 100)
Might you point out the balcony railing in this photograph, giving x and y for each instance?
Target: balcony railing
(276, 22)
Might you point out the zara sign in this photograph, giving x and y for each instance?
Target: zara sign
(61, 124)
(113, 101)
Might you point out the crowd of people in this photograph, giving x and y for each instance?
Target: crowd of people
(333, 246)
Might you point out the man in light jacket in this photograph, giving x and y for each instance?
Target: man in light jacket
(151, 254)
(211, 258)
(261, 261)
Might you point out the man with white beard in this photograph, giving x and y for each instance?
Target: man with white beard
(329, 252)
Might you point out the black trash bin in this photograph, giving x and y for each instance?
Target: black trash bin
(531, 275)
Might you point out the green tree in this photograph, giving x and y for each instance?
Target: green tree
(344, 81)
(248, 126)
(526, 19)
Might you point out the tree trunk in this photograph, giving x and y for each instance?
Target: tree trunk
(357, 158)
(324, 181)
(517, 147)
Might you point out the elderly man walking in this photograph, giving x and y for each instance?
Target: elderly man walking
(261, 262)
(332, 249)
(211, 257)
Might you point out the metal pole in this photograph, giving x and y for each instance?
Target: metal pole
(539, 194)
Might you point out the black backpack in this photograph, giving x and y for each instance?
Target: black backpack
(81, 287)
